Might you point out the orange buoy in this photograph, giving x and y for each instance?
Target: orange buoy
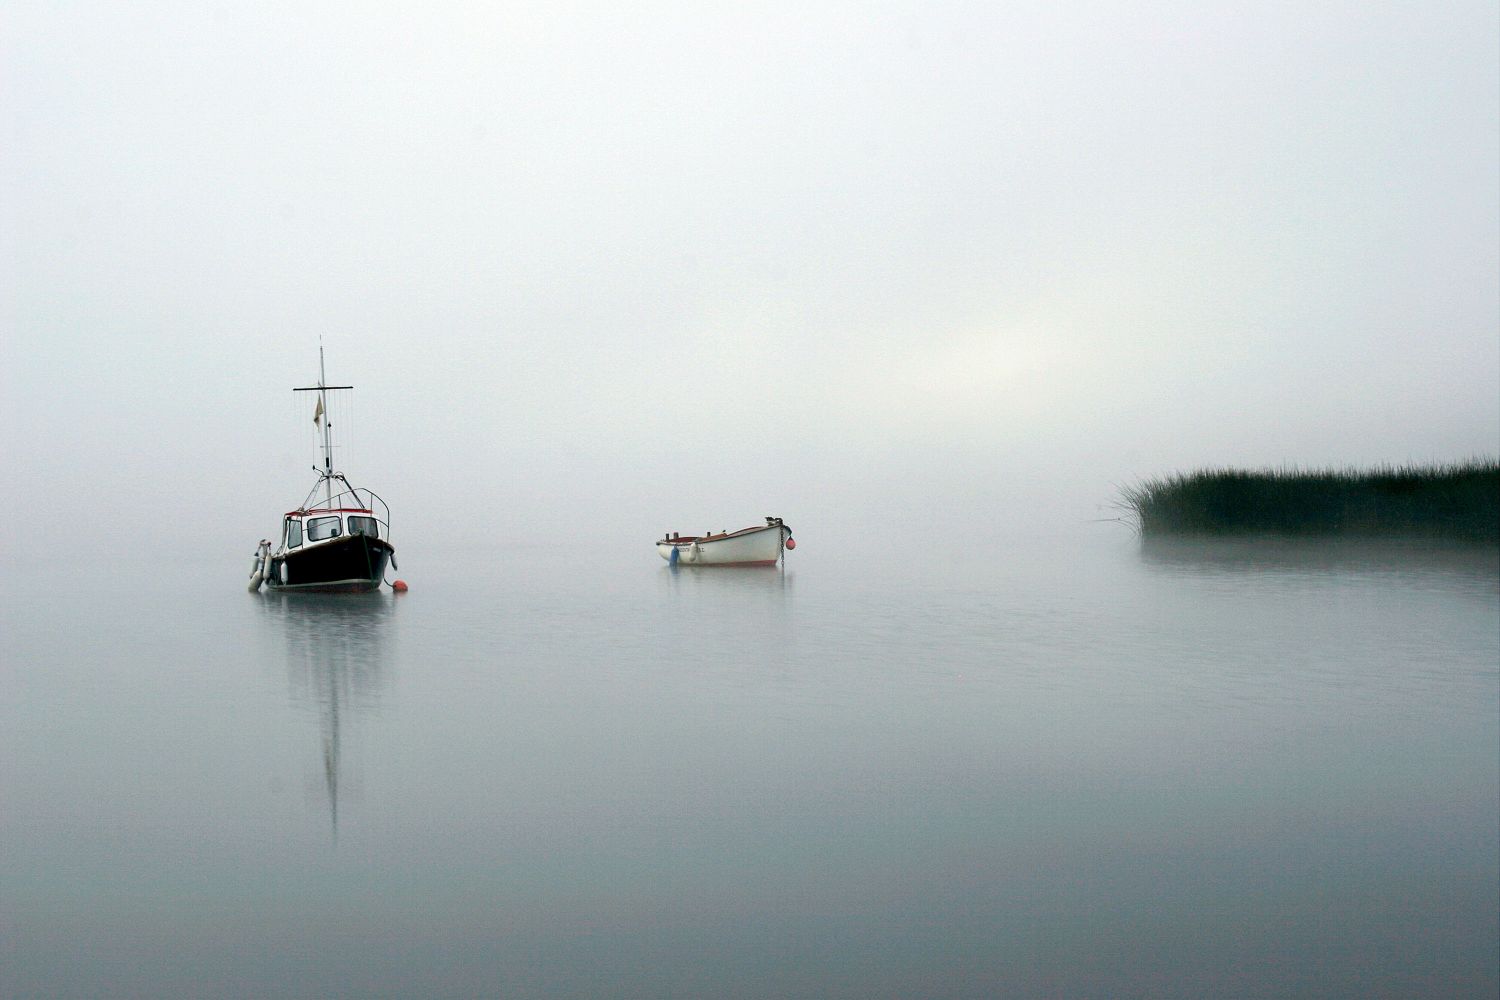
(791, 543)
(399, 586)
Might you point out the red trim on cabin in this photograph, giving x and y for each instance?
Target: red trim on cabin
(327, 510)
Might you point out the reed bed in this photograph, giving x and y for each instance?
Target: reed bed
(1460, 500)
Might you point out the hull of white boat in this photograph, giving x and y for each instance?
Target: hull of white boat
(750, 547)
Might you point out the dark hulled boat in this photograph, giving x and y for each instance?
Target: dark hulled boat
(333, 548)
(339, 542)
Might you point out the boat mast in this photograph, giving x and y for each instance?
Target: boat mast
(327, 441)
(325, 474)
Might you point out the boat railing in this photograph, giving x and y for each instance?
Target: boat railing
(359, 497)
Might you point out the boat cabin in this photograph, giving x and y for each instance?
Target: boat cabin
(307, 527)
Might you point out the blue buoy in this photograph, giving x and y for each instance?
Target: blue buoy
(672, 559)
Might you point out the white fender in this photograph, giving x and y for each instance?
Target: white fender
(258, 566)
(693, 553)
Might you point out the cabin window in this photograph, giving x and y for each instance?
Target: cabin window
(363, 526)
(293, 533)
(319, 528)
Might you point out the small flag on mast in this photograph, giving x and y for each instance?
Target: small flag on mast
(318, 413)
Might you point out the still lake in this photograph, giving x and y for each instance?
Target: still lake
(1069, 767)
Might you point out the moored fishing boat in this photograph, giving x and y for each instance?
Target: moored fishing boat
(759, 545)
(339, 542)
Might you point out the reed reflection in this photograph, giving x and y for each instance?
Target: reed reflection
(1285, 554)
(336, 661)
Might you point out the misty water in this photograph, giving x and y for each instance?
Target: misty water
(1076, 766)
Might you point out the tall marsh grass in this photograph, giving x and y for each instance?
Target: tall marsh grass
(1460, 500)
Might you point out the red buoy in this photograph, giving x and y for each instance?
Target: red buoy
(791, 543)
(399, 586)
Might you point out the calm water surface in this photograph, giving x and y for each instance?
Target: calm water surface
(1079, 767)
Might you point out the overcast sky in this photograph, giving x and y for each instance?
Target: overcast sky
(606, 263)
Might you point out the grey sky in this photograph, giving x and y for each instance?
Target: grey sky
(850, 259)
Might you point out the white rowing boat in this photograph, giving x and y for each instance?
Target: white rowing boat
(761, 545)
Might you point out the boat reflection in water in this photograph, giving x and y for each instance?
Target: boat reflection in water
(336, 664)
(730, 619)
